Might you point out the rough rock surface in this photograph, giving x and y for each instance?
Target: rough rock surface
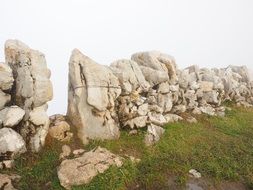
(31, 91)
(82, 170)
(93, 89)
(11, 144)
(11, 116)
(6, 181)
(59, 128)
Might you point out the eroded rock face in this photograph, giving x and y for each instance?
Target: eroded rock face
(31, 91)
(6, 181)
(82, 170)
(11, 116)
(11, 144)
(93, 89)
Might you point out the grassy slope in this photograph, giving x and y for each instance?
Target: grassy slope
(220, 148)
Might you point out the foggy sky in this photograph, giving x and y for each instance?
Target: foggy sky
(209, 33)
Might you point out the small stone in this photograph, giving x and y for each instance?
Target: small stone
(194, 173)
(133, 132)
(191, 120)
(61, 131)
(78, 151)
(66, 151)
(8, 163)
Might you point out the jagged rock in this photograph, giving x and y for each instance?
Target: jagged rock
(66, 151)
(208, 110)
(165, 102)
(4, 99)
(82, 170)
(6, 77)
(60, 131)
(143, 110)
(156, 67)
(8, 164)
(40, 120)
(93, 90)
(211, 97)
(11, 143)
(164, 88)
(153, 135)
(179, 109)
(170, 118)
(32, 85)
(7, 180)
(129, 75)
(157, 119)
(32, 90)
(137, 122)
(206, 86)
(11, 116)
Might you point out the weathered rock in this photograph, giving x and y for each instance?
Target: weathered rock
(60, 131)
(82, 170)
(4, 99)
(157, 119)
(170, 118)
(11, 116)
(6, 77)
(155, 64)
(206, 86)
(143, 110)
(137, 122)
(93, 90)
(78, 151)
(6, 181)
(11, 143)
(129, 75)
(66, 151)
(153, 135)
(40, 120)
(32, 85)
(208, 110)
(194, 173)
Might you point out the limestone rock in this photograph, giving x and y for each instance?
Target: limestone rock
(170, 118)
(78, 151)
(156, 61)
(93, 90)
(11, 143)
(11, 116)
(4, 99)
(194, 173)
(40, 120)
(130, 75)
(82, 170)
(6, 181)
(206, 86)
(137, 122)
(156, 118)
(60, 131)
(153, 135)
(32, 85)
(66, 151)
(6, 77)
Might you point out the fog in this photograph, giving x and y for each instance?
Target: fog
(207, 33)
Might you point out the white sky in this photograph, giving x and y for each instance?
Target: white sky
(209, 33)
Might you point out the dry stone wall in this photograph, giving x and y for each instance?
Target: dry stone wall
(25, 89)
(147, 91)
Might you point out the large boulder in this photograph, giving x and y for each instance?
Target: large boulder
(11, 144)
(82, 170)
(156, 67)
(93, 89)
(32, 90)
(32, 85)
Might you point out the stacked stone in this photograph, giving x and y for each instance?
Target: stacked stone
(152, 92)
(25, 89)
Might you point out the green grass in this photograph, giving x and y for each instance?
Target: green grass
(220, 148)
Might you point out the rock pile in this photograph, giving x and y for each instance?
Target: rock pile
(147, 91)
(25, 89)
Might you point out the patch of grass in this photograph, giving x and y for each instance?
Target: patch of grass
(220, 148)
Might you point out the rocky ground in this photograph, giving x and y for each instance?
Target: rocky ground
(140, 123)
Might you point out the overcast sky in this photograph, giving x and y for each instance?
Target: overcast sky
(209, 33)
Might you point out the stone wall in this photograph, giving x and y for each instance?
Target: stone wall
(25, 89)
(147, 91)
